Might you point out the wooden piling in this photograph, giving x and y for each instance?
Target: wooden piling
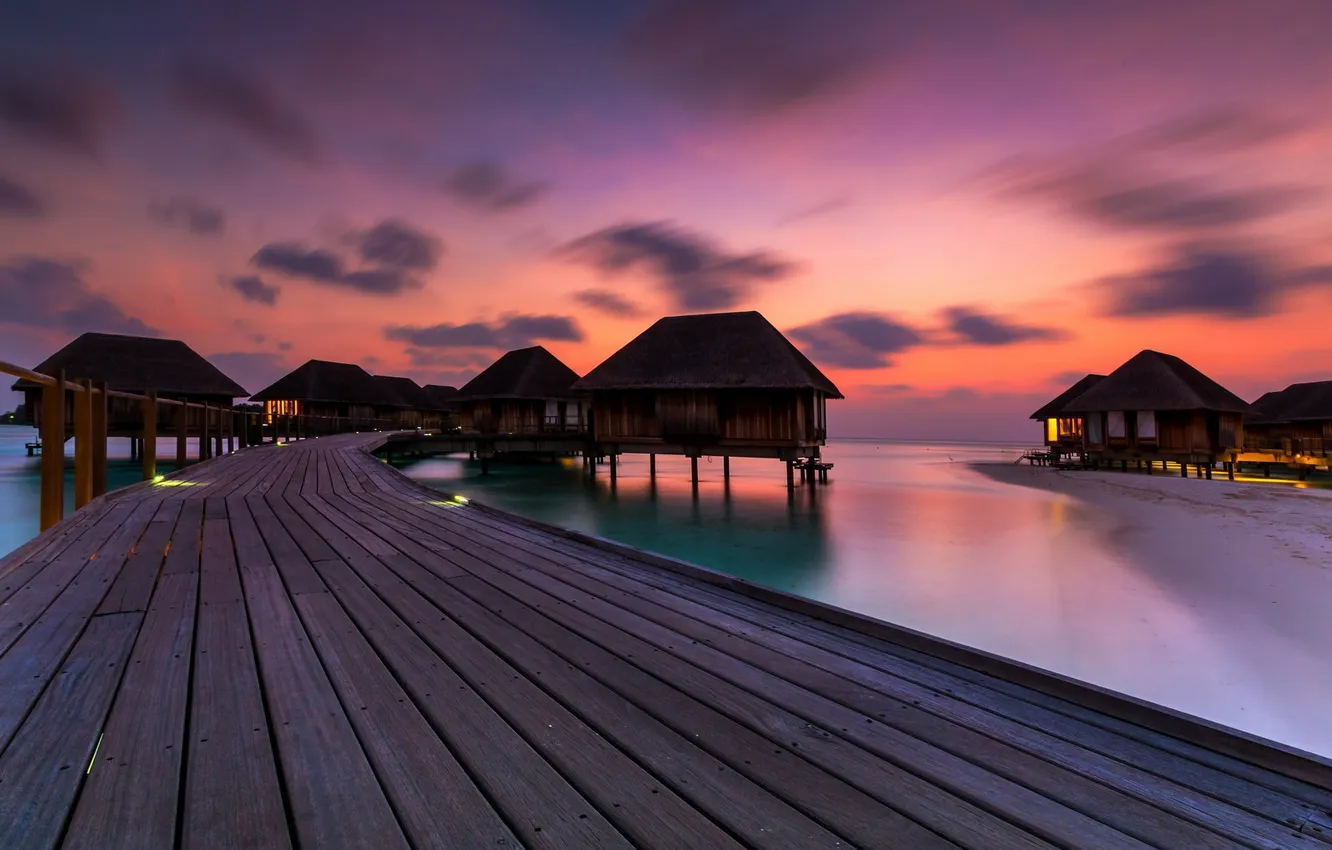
(693, 470)
(790, 474)
(148, 445)
(182, 432)
(53, 451)
(652, 466)
(83, 445)
(99, 437)
(204, 425)
(726, 469)
(613, 465)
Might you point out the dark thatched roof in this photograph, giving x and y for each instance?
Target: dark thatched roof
(322, 380)
(1057, 404)
(406, 392)
(1155, 381)
(710, 351)
(137, 364)
(1297, 402)
(531, 373)
(442, 394)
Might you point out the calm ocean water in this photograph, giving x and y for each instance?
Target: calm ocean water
(907, 533)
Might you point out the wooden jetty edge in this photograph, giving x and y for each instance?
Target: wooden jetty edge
(297, 646)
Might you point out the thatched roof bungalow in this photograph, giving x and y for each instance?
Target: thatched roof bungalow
(1156, 406)
(1063, 430)
(345, 392)
(133, 364)
(410, 406)
(1296, 420)
(712, 384)
(526, 391)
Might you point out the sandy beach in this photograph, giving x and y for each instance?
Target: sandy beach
(1254, 560)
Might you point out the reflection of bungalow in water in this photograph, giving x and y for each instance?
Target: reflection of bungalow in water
(410, 406)
(1157, 407)
(133, 364)
(343, 391)
(1293, 421)
(1063, 431)
(723, 384)
(524, 392)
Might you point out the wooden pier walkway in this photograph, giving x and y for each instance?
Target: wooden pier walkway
(296, 646)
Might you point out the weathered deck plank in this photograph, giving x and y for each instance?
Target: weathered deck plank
(297, 646)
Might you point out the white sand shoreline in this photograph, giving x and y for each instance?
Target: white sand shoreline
(1248, 570)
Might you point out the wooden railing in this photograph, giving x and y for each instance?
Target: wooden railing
(213, 424)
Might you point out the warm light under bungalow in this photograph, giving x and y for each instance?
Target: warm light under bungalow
(712, 384)
(1062, 430)
(344, 392)
(526, 391)
(133, 364)
(1157, 407)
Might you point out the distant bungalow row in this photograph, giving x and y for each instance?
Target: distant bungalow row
(721, 384)
(1156, 407)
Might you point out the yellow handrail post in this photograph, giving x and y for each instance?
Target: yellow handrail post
(53, 451)
(182, 433)
(148, 447)
(99, 435)
(83, 414)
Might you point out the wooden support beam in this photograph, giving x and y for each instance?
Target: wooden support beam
(652, 466)
(53, 451)
(83, 445)
(790, 474)
(1230, 467)
(1183, 469)
(148, 445)
(99, 437)
(182, 432)
(203, 432)
(613, 465)
(693, 470)
(726, 469)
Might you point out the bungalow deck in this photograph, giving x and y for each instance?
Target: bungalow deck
(297, 646)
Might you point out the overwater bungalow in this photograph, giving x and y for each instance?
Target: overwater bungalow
(132, 364)
(1156, 407)
(526, 391)
(1062, 431)
(444, 398)
(343, 391)
(412, 407)
(719, 384)
(1296, 421)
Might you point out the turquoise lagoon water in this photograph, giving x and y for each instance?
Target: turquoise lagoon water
(910, 534)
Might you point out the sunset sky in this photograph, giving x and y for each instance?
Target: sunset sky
(954, 207)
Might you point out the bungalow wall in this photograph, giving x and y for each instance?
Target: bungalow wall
(711, 416)
(336, 414)
(123, 415)
(521, 416)
(1165, 433)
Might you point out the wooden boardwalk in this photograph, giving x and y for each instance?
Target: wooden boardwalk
(296, 646)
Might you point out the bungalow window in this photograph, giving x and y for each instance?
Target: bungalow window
(552, 412)
(1070, 427)
(1146, 425)
(1052, 430)
(1114, 421)
(1094, 437)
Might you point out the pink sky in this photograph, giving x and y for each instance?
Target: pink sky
(952, 206)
